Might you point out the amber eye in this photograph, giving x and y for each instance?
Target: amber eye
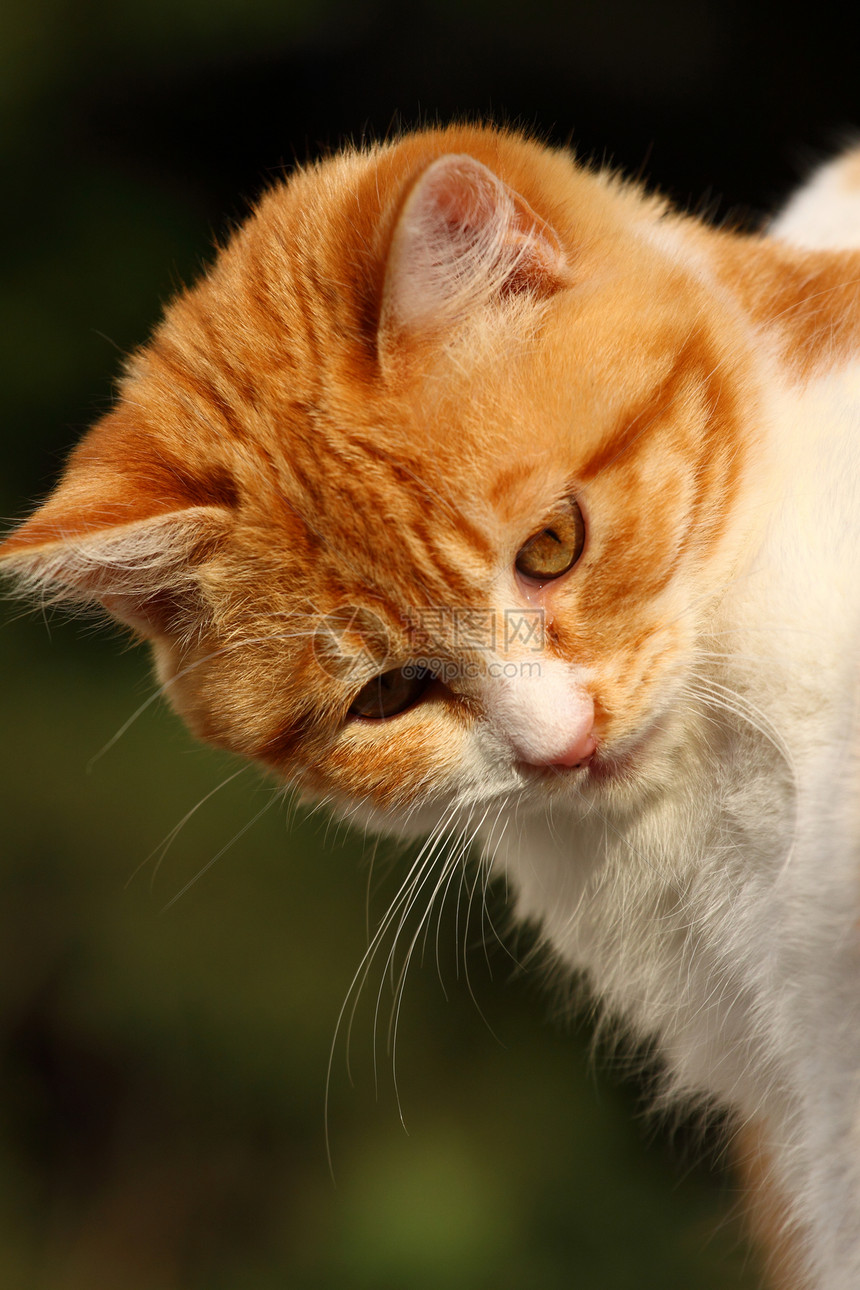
(557, 547)
(391, 692)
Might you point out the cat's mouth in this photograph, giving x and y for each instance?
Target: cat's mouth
(606, 766)
(626, 760)
(550, 771)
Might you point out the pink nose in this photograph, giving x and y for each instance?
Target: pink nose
(548, 720)
(577, 753)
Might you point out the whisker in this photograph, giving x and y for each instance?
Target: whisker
(732, 702)
(348, 1008)
(166, 843)
(276, 793)
(161, 689)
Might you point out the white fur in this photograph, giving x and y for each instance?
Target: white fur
(720, 917)
(825, 213)
(539, 709)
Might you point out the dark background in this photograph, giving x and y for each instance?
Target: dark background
(162, 1122)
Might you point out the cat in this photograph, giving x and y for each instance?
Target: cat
(477, 492)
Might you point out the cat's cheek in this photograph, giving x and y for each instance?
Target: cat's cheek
(165, 661)
(396, 764)
(174, 673)
(219, 700)
(642, 694)
(183, 685)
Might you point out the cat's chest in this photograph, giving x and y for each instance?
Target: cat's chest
(638, 889)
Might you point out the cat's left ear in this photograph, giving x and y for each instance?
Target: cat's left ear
(463, 239)
(123, 529)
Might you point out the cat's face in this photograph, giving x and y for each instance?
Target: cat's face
(450, 406)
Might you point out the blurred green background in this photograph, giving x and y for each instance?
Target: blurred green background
(164, 1070)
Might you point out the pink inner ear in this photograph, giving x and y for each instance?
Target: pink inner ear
(464, 239)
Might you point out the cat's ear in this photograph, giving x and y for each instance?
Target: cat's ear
(463, 239)
(126, 534)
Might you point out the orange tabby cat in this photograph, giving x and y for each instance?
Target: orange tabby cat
(474, 491)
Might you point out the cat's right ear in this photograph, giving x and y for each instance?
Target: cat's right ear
(124, 529)
(463, 239)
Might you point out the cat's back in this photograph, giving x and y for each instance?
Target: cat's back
(811, 554)
(825, 213)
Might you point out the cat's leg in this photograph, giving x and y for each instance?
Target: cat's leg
(798, 1168)
(825, 213)
(810, 1008)
(768, 1212)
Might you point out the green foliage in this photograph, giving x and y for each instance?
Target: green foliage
(165, 1065)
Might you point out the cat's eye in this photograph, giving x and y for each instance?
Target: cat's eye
(391, 692)
(556, 548)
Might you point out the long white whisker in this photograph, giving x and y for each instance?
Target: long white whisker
(350, 1002)
(276, 793)
(721, 697)
(164, 846)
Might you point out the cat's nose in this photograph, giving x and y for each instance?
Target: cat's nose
(547, 720)
(578, 751)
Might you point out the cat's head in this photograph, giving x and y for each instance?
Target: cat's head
(420, 493)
